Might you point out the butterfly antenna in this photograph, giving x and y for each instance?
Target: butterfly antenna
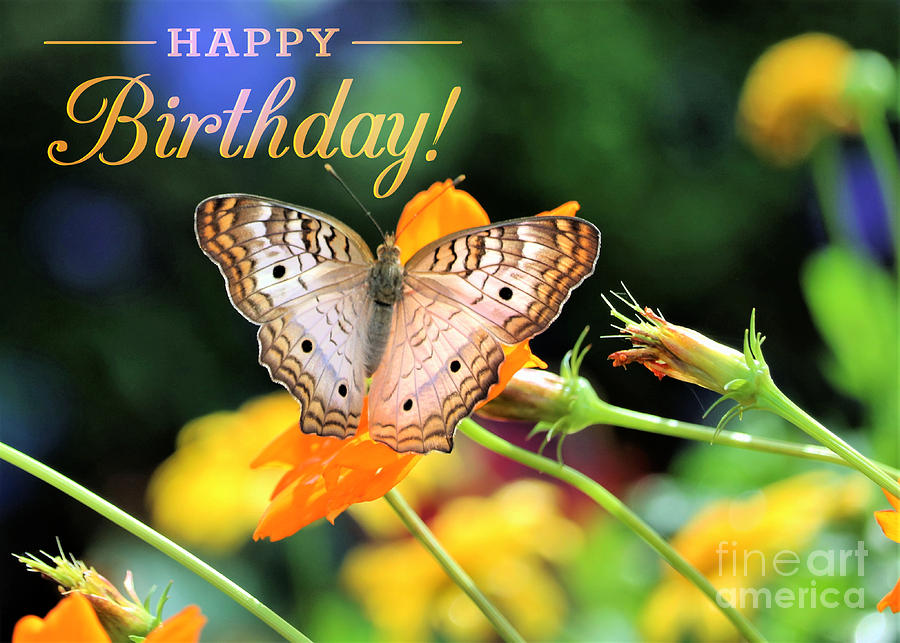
(459, 179)
(346, 187)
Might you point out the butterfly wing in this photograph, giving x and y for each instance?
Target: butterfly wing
(465, 296)
(300, 275)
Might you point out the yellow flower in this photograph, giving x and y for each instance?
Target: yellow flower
(504, 542)
(794, 96)
(729, 534)
(206, 493)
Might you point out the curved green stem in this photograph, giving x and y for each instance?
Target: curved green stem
(154, 538)
(423, 534)
(825, 165)
(618, 510)
(605, 413)
(772, 399)
(880, 145)
(877, 139)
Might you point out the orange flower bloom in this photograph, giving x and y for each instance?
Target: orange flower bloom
(74, 620)
(326, 475)
(889, 519)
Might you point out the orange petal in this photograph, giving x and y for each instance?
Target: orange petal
(890, 523)
(291, 510)
(184, 627)
(891, 599)
(328, 476)
(517, 356)
(434, 213)
(73, 620)
(895, 502)
(567, 209)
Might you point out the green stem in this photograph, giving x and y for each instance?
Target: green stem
(154, 538)
(612, 415)
(420, 530)
(618, 510)
(772, 399)
(826, 174)
(880, 145)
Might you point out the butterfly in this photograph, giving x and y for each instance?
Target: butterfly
(430, 332)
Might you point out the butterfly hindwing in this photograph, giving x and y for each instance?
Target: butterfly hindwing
(315, 351)
(439, 363)
(301, 275)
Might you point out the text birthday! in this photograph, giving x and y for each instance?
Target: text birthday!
(366, 133)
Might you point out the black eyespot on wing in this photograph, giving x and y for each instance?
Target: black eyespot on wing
(306, 346)
(455, 366)
(506, 293)
(278, 271)
(342, 390)
(407, 405)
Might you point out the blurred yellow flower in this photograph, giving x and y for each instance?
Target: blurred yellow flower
(730, 537)
(504, 542)
(794, 95)
(206, 493)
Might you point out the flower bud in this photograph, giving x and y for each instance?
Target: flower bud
(119, 616)
(559, 404)
(682, 353)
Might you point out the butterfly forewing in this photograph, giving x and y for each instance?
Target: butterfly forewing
(515, 276)
(465, 295)
(301, 275)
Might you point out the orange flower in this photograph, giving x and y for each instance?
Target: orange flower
(74, 620)
(326, 475)
(889, 519)
(184, 627)
(891, 599)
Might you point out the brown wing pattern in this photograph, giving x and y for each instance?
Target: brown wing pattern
(515, 276)
(271, 253)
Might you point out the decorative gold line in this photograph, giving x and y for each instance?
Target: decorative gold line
(406, 42)
(100, 42)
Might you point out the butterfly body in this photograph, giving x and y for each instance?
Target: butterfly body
(385, 283)
(429, 332)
